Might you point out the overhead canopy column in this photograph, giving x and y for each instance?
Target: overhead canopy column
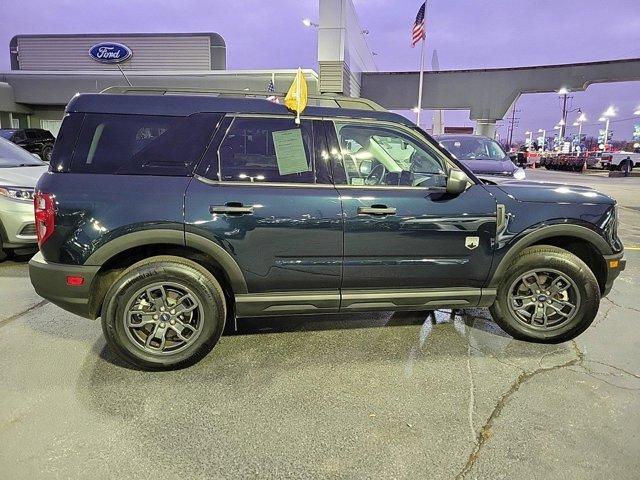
(343, 53)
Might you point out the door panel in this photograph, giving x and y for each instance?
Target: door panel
(279, 219)
(292, 240)
(402, 230)
(422, 245)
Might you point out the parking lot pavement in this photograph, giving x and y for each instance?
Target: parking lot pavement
(404, 395)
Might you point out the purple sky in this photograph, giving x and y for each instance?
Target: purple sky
(466, 33)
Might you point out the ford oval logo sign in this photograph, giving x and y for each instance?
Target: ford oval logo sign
(109, 52)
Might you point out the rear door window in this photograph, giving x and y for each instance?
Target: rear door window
(142, 144)
(268, 150)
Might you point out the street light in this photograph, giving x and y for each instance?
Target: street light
(544, 138)
(530, 139)
(308, 23)
(578, 123)
(563, 91)
(637, 112)
(606, 117)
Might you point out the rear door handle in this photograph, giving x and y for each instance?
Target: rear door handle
(231, 208)
(376, 210)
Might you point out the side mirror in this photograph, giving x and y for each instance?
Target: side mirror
(457, 182)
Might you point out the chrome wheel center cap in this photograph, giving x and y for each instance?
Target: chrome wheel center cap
(165, 317)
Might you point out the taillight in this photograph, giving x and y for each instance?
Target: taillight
(45, 216)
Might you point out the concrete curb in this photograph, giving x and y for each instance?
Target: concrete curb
(615, 174)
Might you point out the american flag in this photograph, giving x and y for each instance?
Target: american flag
(419, 33)
(272, 89)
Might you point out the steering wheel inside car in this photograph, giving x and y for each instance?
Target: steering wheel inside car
(376, 176)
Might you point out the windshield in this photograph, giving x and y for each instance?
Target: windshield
(7, 133)
(474, 148)
(13, 156)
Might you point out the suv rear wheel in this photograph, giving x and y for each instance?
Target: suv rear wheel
(164, 313)
(548, 295)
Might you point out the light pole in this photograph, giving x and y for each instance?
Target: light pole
(530, 139)
(558, 140)
(564, 92)
(578, 123)
(606, 117)
(544, 138)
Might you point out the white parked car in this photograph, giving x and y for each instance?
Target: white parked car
(19, 172)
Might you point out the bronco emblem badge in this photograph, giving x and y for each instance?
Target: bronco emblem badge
(472, 242)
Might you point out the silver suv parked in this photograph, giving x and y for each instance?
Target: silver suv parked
(19, 172)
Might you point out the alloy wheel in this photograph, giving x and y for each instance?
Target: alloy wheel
(163, 318)
(544, 299)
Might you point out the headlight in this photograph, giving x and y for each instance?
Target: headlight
(23, 194)
(519, 174)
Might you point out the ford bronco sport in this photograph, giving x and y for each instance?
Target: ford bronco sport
(169, 215)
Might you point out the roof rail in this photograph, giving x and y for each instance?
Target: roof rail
(317, 100)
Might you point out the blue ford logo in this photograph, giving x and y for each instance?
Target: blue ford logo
(109, 52)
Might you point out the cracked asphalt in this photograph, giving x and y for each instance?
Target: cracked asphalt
(388, 395)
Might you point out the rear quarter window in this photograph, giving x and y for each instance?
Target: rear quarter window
(66, 141)
(142, 144)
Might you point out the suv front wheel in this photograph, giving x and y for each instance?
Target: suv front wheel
(547, 295)
(164, 313)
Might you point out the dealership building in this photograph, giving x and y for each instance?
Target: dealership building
(48, 70)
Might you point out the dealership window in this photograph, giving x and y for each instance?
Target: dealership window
(52, 126)
(142, 144)
(267, 150)
(380, 155)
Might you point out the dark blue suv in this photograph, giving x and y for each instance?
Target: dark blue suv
(169, 215)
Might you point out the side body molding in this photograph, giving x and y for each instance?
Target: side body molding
(536, 234)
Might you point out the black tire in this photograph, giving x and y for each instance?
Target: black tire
(548, 257)
(45, 154)
(178, 272)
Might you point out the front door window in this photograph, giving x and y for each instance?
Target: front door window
(372, 155)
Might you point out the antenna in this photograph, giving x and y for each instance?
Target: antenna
(123, 74)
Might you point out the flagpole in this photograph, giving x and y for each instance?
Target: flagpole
(298, 95)
(421, 82)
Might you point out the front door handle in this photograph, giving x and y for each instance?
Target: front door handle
(376, 210)
(231, 208)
